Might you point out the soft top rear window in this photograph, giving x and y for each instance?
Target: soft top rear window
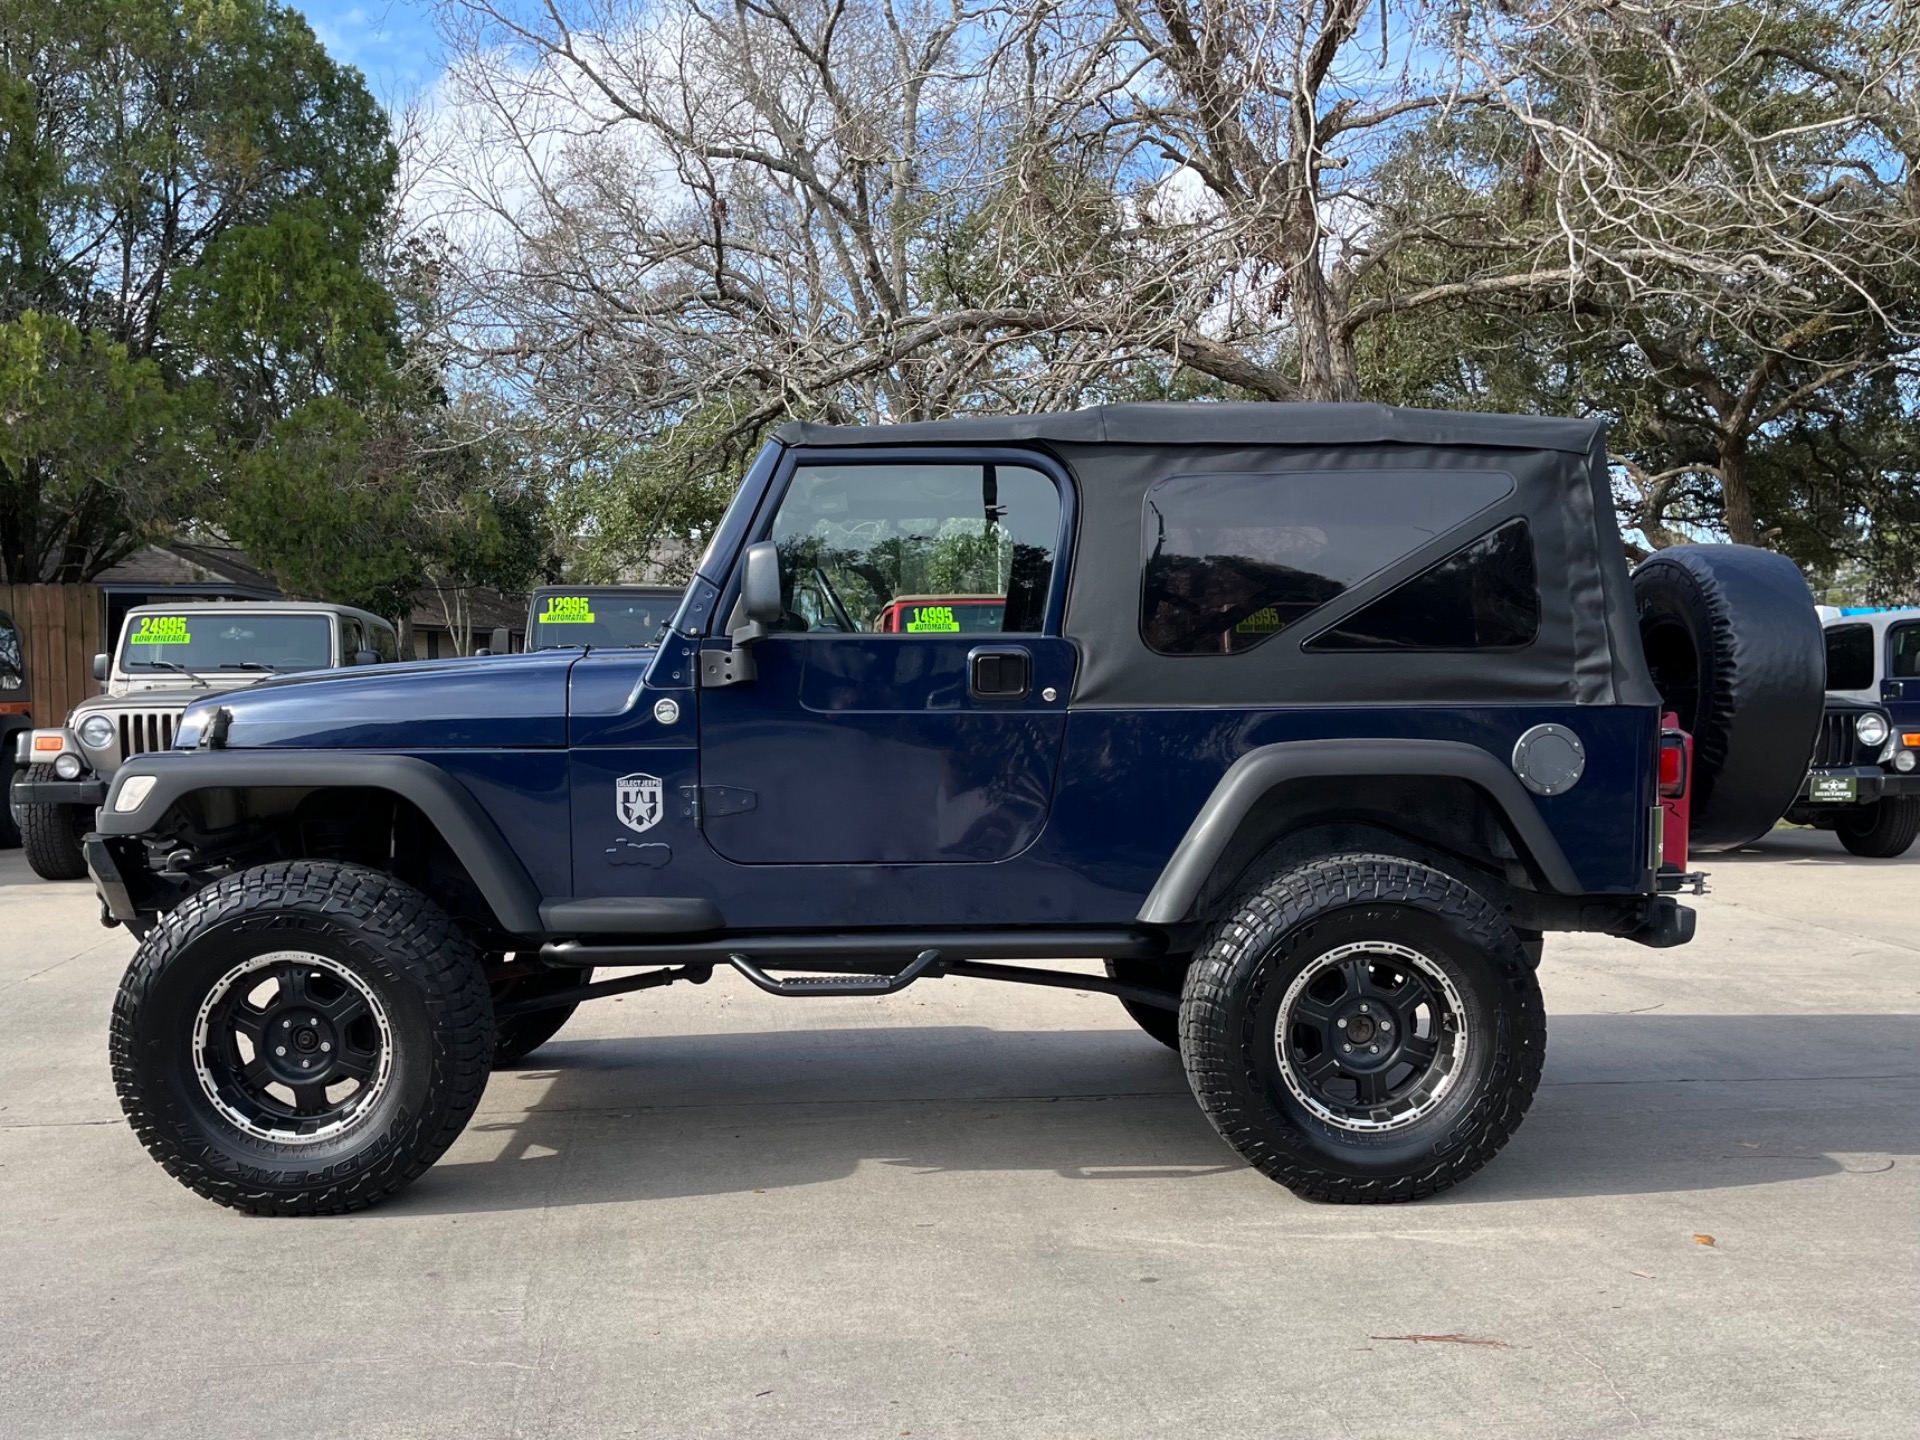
(1231, 560)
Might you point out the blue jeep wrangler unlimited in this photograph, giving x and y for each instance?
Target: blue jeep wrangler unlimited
(1307, 720)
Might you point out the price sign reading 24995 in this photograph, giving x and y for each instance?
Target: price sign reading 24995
(161, 630)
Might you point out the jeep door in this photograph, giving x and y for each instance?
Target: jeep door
(910, 705)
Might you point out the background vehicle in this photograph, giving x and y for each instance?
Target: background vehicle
(1309, 721)
(573, 617)
(1864, 780)
(931, 614)
(168, 656)
(16, 706)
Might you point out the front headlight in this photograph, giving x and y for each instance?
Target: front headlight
(96, 732)
(1871, 729)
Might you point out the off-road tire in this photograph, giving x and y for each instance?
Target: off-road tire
(50, 834)
(1882, 830)
(426, 977)
(1273, 931)
(518, 1036)
(1162, 1025)
(9, 831)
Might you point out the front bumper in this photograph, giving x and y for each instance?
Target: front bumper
(90, 791)
(1871, 783)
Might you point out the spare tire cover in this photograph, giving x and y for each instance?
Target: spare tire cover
(1736, 649)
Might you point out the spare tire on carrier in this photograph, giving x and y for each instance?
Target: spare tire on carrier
(1737, 652)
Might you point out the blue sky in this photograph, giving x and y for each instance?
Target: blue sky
(391, 42)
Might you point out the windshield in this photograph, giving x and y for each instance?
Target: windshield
(13, 666)
(599, 618)
(223, 642)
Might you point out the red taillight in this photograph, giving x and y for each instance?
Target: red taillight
(1673, 767)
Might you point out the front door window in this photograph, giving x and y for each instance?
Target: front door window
(917, 549)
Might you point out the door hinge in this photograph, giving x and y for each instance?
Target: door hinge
(701, 803)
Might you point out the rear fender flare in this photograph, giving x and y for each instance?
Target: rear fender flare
(1258, 772)
(448, 806)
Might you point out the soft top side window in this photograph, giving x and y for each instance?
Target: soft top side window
(1232, 560)
(917, 548)
(1849, 657)
(1484, 596)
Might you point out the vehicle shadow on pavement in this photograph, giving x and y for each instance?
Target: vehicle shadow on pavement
(1630, 1105)
(1818, 846)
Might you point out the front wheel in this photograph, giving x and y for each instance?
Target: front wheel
(302, 1038)
(1882, 830)
(1363, 1029)
(51, 834)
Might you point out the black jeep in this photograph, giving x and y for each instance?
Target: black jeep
(1308, 721)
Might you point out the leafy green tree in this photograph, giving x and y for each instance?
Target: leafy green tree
(190, 194)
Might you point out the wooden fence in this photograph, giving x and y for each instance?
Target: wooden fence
(60, 632)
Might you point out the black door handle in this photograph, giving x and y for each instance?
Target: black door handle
(999, 673)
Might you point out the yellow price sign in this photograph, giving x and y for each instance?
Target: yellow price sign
(1261, 622)
(567, 610)
(161, 630)
(935, 618)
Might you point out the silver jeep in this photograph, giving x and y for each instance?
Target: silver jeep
(168, 656)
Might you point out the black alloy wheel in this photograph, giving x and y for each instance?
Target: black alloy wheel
(1371, 1036)
(291, 1047)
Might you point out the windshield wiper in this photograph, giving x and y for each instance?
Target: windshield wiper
(177, 667)
(242, 665)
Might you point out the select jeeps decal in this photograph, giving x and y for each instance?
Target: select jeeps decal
(638, 801)
(567, 610)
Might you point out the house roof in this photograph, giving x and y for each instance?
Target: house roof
(181, 565)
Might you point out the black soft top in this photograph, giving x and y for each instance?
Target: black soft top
(1222, 423)
(1588, 649)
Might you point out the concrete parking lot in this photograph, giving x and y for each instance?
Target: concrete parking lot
(980, 1210)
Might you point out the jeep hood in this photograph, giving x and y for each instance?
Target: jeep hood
(489, 702)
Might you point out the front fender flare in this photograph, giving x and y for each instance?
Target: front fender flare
(1259, 771)
(447, 804)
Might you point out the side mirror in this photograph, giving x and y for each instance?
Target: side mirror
(366, 657)
(757, 608)
(501, 641)
(99, 667)
(760, 584)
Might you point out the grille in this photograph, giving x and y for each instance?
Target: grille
(145, 730)
(1837, 745)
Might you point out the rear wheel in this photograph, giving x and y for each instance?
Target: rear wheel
(518, 1036)
(50, 834)
(1881, 830)
(1363, 1029)
(301, 1038)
